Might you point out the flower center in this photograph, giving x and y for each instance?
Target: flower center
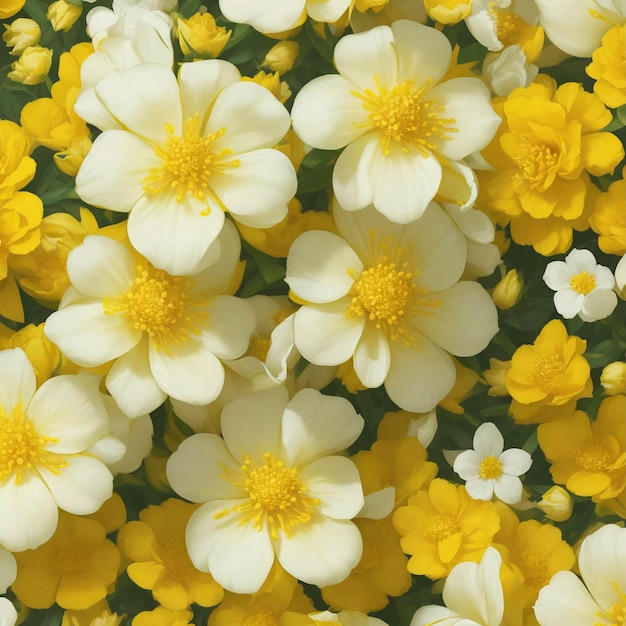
(508, 23)
(593, 456)
(538, 162)
(22, 449)
(583, 283)
(176, 560)
(440, 527)
(188, 162)
(545, 368)
(370, 559)
(534, 567)
(405, 118)
(490, 467)
(157, 304)
(259, 347)
(275, 496)
(69, 559)
(261, 617)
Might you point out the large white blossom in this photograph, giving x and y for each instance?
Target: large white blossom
(405, 133)
(184, 152)
(390, 298)
(273, 488)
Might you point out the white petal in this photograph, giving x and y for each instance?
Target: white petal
(479, 489)
(474, 224)
(128, 94)
(173, 235)
(29, 513)
(508, 489)
(251, 115)
(321, 552)
(87, 336)
(8, 570)
(446, 326)
(515, 462)
(379, 504)
(101, 267)
(238, 556)
(598, 305)
(604, 278)
(18, 380)
(335, 482)
(113, 172)
(267, 16)
(321, 267)
(557, 275)
(372, 357)
(196, 470)
(420, 376)
(256, 192)
(327, 11)
(488, 441)
(467, 465)
(580, 261)
(327, 114)
(82, 487)
(315, 425)
(131, 382)
(187, 371)
(568, 303)
(435, 614)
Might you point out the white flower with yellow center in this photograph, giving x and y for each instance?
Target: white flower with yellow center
(273, 488)
(166, 333)
(389, 297)
(45, 462)
(566, 600)
(402, 131)
(184, 152)
(488, 469)
(582, 287)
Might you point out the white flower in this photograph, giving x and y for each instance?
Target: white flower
(167, 334)
(508, 70)
(275, 16)
(472, 594)
(45, 463)
(389, 297)
(184, 151)
(273, 489)
(603, 601)
(8, 614)
(346, 618)
(8, 570)
(578, 27)
(620, 277)
(489, 470)
(582, 287)
(404, 134)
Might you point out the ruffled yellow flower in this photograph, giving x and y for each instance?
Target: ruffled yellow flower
(17, 169)
(608, 67)
(63, 14)
(20, 34)
(448, 11)
(588, 457)
(156, 547)
(74, 568)
(444, 526)
(613, 378)
(200, 35)
(545, 379)
(111, 515)
(545, 150)
(609, 218)
(32, 67)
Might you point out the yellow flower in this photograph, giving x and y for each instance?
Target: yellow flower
(282, 56)
(17, 169)
(156, 545)
(507, 292)
(20, 34)
(381, 572)
(70, 159)
(280, 601)
(448, 11)
(10, 7)
(200, 35)
(74, 568)
(162, 617)
(495, 377)
(608, 219)
(444, 526)
(42, 273)
(97, 615)
(608, 67)
(613, 378)
(32, 67)
(557, 504)
(111, 515)
(465, 380)
(545, 379)
(589, 458)
(279, 88)
(63, 14)
(546, 148)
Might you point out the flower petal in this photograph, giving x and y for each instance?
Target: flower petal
(267, 16)
(371, 357)
(488, 441)
(515, 462)
(18, 380)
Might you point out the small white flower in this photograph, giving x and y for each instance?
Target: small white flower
(507, 70)
(487, 469)
(582, 287)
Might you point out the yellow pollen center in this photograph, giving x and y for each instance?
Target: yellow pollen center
(188, 162)
(176, 560)
(538, 163)
(583, 283)
(157, 304)
(534, 567)
(22, 449)
(276, 496)
(69, 559)
(508, 23)
(259, 347)
(593, 456)
(440, 527)
(370, 559)
(261, 617)
(405, 118)
(544, 369)
(490, 467)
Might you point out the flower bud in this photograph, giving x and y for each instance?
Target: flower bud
(20, 34)
(448, 11)
(507, 292)
(281, 57)
(613, 378)
(495, 377)
(32, 67)
(63, 14)
(505, 71)
(201, 35)
(557, 504)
